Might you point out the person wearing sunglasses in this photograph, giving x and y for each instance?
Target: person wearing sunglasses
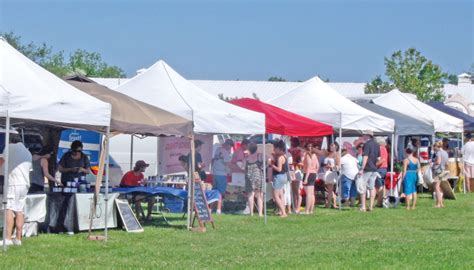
(74, 164)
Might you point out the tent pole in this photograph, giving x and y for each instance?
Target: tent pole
(190, 183)
(264, 179)
(392, 152)
(339, 184)
(131, 152)
(6, 175)
(466, 181)
(107, 164)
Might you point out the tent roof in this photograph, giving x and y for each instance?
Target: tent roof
(315, 99)
(398, 101)
(467, 119)
(30, 92)
(131, 116)
(279, 121)
(404, 124)
(163, 87)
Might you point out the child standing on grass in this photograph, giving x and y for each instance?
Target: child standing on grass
(411, 166)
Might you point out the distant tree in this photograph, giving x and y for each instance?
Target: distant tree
(411, 72)
(80, 62)
(377, 85)
(224, 98)
(276, 79)
(451, 79)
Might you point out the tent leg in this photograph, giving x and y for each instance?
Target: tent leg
(131, 152)
(6, 175)
(264, 180)
(391, 163)
(106, 198)
(466, 181)
(339, 184)
(191, 184)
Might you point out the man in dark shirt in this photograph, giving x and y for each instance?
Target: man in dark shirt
(368, 171)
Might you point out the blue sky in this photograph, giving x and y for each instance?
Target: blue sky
(252, 40)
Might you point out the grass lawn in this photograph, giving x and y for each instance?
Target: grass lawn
(426, 238)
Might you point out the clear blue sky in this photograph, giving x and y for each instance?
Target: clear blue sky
(252, 40)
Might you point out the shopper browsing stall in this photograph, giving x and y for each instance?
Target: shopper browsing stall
(19, 167)
(220, 170)
(349, 170)
(369, 170)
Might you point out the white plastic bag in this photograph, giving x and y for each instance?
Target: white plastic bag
(428, 176)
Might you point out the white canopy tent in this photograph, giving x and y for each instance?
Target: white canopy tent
(29, 92)
(315, 99)
(405, 104)
(162, 87)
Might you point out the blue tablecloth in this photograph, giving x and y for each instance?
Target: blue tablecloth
(211, 196)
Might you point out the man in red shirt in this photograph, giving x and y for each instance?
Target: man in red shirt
(136, 178)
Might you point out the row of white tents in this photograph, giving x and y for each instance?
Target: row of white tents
(30, 93)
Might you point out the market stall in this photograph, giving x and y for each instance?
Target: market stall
(30, 93)
(163, 87)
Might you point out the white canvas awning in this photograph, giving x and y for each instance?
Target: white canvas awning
(163, 87)
(405, 104)
(30, 92)
(315, 99)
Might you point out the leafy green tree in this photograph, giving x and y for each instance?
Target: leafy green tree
(80, 62)
(452, 79)
(377, 85)
(411, 72)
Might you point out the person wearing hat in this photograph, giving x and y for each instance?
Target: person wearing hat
(369, 170)
(220, 170)
(135, 178)
(41, 169)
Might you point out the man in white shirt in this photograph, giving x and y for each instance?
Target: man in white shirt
(468, 159)
(19, 167)
(220, 170)
(349, 171)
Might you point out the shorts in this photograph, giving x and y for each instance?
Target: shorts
(311, 179)
(469, 170)
(16, 198)
(367, 181)
(349, 188)
(380, 181)
(279, 181)
(219, 183)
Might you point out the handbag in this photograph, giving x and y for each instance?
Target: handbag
(298, 175)
(437, 170)
(428, 176)
(420, 181)
(330, 177)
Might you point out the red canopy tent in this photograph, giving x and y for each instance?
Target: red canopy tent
(279, 121)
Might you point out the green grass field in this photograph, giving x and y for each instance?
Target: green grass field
(426, 238)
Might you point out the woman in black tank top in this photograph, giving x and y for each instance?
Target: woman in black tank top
(279, 168)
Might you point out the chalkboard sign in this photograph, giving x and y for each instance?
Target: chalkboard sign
(129, 219)
(203, 213)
